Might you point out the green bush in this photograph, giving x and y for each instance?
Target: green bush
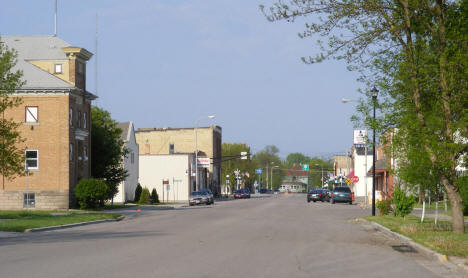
(145, 197)
(403, 204)
(154, 196)
(384, 206)
(91, 193)
(463, 185)
(138, 190)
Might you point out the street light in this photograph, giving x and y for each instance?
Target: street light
(322, 172)
(196, 147)
(271, 176)
(374, 92)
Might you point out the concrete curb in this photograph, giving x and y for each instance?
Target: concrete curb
(444, 259)
(51, 228)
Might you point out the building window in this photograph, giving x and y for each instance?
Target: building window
(171, 148)
(80, 68)
(71, 116)
(31, 114)
(71, 152)
(29, 200)
(78, 122)
(85, 153)
(58, 68)
(85, 120)
(32, 159)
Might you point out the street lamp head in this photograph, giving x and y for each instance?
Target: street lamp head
(212, 116)
(374, 92)
(345, 100)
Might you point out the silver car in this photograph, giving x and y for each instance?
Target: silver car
(199, 197)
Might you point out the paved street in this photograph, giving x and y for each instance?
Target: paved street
(275, 236)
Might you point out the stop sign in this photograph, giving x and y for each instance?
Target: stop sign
(355, 179)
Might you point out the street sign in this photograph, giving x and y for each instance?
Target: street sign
(305, 167)
(360, 137)
(348, 181)
(243, 155)
(203, 162)
(355, 179)
(259, 171)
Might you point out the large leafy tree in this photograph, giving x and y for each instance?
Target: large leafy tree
(107, 150)
(231, 162)
(266, 159)
(11, 155)
(416, 52)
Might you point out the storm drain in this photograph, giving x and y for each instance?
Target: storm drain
(404, 248)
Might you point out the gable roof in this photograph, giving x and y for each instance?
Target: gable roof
(126, 128)
(38, 48)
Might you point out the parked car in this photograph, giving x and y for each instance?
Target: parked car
(265, 191)
(199, 197)
(210, 195)
(276, 191)
(242, 194)
(342, 194)
(317, 195)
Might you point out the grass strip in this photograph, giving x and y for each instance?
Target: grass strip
(22, 220)
(438, 238)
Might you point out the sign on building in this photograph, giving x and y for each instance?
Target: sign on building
(203, 162)
(360, 136)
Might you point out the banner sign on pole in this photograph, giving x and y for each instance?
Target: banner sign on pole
(203, 162)
(360, 136)
(258, 171)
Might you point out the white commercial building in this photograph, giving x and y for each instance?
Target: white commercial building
(130, 162)
(361, 170)
(170, 174)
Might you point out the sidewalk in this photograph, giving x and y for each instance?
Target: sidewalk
(431, 214)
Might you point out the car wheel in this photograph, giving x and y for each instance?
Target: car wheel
(308, 201)
(321, 201)
(350, 202)
(333, 201)
(315, 201)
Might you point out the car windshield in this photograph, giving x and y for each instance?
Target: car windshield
(342, 189)
(196, 193)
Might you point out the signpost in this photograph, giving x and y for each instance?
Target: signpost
(355, 179)
(305, 167)
(348, 181)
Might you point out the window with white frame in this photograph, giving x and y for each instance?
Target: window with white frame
(32, 159)
(85, 153)
(71, 116)
(85, 120)
(58, 68)
(31, 114)
(71, 152)
(29, 200)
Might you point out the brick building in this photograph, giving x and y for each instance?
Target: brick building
(55, 117)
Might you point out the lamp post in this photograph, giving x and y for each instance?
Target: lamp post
(271, 176)
(374, 92)
(196, 147)
(322, 172)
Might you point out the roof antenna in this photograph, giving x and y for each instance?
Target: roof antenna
(96, 58)
(55, 20)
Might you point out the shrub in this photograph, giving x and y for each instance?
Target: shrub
(403, 203)
(145, 197)
(384, 206)
(91, 192)
(154, 196)
(138, 190)
(463, 185)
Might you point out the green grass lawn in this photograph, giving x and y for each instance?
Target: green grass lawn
(438, 238)
(22, 220)
(433, 206)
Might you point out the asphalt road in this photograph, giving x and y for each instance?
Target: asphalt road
(278, 236)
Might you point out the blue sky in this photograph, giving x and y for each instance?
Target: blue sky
(164, 63)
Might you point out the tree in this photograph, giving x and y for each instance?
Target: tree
(11, 155)
(266, 159)
(154, 196)
(231, 162)
(91, 193)
(297, 158)
(138, 191)
(107, 151)
(417, 53)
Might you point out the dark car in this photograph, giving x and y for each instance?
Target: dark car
(242, 194)
(317, 195)
(342, 194)
(265, 191)
(210, 195)
(199, 197)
